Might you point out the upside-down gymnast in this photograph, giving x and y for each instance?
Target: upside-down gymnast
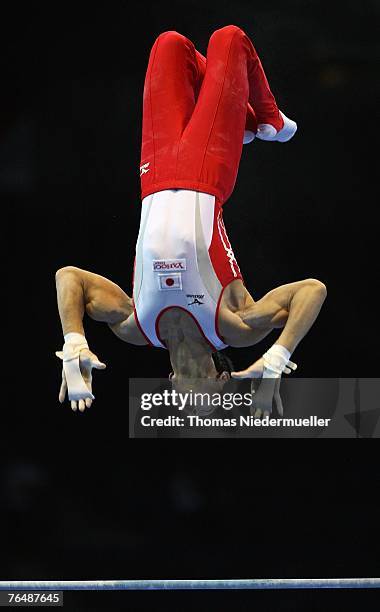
(188, 292)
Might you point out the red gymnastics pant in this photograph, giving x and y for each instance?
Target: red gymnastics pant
(195, 112)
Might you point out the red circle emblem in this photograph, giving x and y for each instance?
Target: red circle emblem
(169, 282)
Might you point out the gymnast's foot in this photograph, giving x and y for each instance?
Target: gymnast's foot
(265, 131)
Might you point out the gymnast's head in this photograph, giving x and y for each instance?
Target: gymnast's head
(192, 357)
(215, 367)
(203, 386)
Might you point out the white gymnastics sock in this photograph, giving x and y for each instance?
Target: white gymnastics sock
(265, 131)
(248, 136)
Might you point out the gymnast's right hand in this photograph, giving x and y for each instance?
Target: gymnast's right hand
(78, 362)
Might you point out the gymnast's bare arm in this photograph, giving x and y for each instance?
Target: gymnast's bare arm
(80, 292)
(293, 308)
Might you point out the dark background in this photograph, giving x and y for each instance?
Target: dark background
(78, 498)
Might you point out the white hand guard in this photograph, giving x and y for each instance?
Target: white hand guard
(76, 387)
(276, 361)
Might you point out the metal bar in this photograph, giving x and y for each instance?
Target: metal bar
(174, 585)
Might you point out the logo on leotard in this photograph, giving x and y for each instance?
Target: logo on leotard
(169, 264)
(170, 282)
(196, 299)
(144, 168)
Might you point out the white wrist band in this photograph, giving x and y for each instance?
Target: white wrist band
(74, 338)
(276, 361)
(76, 387)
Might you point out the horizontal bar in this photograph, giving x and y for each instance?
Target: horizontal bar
(178, 585)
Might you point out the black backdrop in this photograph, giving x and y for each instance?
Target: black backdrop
(80, 500)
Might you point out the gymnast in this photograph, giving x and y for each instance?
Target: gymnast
(188, 292)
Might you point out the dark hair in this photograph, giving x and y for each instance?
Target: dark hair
(222, 362)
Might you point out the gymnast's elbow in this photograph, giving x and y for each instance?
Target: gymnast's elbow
(67, 273)
(318, 287)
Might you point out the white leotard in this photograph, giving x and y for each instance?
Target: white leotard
(173, 264)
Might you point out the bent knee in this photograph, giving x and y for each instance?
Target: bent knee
(228, 31)
(171, 37)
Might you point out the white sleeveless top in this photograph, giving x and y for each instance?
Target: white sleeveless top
(173, 267)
